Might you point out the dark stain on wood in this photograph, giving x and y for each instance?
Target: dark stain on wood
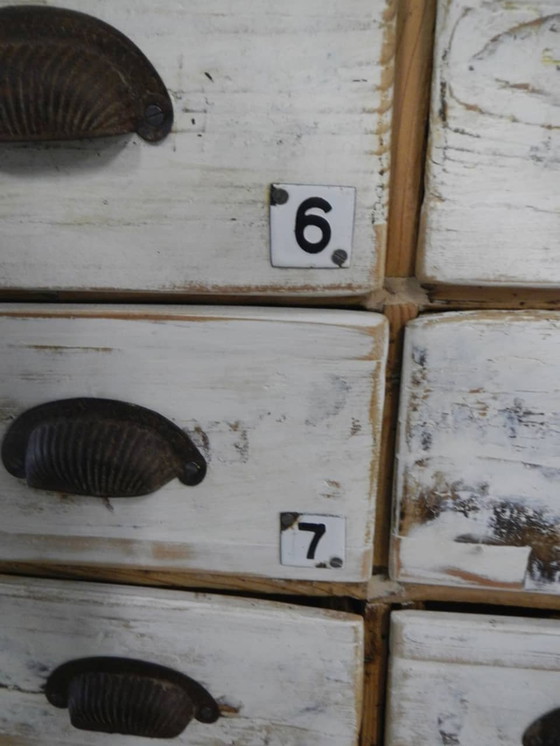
(509, 522)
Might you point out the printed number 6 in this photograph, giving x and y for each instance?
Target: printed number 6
(303, 220)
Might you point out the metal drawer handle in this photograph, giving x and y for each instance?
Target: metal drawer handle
(99, 447)
(545, 731)
(130, 697)
(66, 75)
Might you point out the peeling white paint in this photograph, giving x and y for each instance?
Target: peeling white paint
(477, 453)
(492, 209)
(295, 674)
(469, 679)
(272, 397)
(262, 92)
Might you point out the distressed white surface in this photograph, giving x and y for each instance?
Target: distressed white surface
(285, 405)
(263, 92)
(492, 206)
(293, 674)
(469, 679)
(477, 454)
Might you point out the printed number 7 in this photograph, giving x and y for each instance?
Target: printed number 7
(319, 530)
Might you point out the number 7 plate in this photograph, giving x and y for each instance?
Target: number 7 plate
(311, 226)
(311, 540)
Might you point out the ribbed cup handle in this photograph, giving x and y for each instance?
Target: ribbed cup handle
(66, 75)
(99, 447)
(545, 731)
(130, 697)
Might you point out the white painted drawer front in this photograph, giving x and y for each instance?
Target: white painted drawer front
(295, 93)
(285, 405)
(477, 456)
(282, 675)
(492, 206)
(470, 679)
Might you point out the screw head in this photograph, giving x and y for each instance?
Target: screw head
(288, 519)
(339, 256)
(207, 714)
(193, 473)
(278, 196)
(154, 115)
(336, 562)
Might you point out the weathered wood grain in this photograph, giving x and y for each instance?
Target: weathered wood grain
(283, 675)
(376, 619)
(383, 590)
(492, 206)
(397, 315)
(263, 92)
(286, 406)
(477, 454)
(469, 679)
(413, 69)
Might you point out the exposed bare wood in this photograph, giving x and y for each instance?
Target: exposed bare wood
(456, 298)
(415, 31)
(403, 290)
(376, 620)
(383, 590)
(194, 580)
(398, 315)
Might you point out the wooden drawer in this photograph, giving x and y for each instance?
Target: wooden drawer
(471, 679)
(281, 675)
(477, 455)
(492, 206)
(260, 97)
(284, 405)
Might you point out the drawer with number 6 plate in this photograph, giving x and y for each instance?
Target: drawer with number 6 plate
(203, 439)
(266, 98)
(473, 679)
(80, 660)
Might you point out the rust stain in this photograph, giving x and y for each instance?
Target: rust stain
(226, 710)
(475, 579)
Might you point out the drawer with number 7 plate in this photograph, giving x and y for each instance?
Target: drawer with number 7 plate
(208, 440)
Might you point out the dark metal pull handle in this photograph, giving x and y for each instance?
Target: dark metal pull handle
(99, 447)
(545, 731)
(66, 75)
(130, 697)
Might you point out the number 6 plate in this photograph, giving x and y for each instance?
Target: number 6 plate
(311, 226)
(310, 540)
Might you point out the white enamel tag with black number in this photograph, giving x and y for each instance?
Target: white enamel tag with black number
(310, 540)
(311, 226)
